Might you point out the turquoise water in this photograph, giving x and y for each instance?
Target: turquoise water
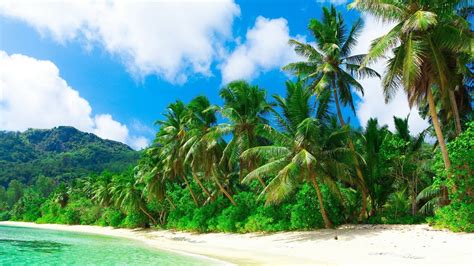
(28, 246)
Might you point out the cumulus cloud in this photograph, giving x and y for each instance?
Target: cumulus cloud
(265, 48)
(138, 143)
(171, 39)
(33, 95)
(372, 103)
(107, 127)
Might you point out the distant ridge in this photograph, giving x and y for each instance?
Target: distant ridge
(62, 152)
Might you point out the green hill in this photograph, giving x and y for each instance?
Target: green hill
(62, 152)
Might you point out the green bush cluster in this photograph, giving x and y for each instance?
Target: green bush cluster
(300, 212)
(459, 214)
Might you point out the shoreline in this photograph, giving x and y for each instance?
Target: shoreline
(355, 244)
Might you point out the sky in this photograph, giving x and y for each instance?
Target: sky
(111, 67)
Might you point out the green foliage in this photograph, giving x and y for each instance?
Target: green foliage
(307, 170)
(62, 153)
(459, 214)
(111, 217)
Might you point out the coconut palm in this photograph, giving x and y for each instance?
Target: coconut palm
(204, 146)
(331, 67)
(62, 195)
(425, 36)
(377, 175)
(304, 152)
(412, 160)
(430, 199)
(245, 107)
(126, 194)
(171, 137)
(101, 190)
(149, 172)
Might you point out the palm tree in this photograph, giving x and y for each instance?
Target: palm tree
(377, 175)
(127, 195)
(412, 155)
(245, 107)
(171, 137)
(204, 146)
(101, 190)
(62, 195)
(304, 152)
(331, 67)
(426, 34)
(149, 172)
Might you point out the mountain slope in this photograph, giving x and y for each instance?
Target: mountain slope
(61, 152)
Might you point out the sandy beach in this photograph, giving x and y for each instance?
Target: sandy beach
(355, 244)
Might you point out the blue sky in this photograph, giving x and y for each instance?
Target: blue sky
(125, 90)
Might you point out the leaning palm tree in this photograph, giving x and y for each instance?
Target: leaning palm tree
(425, 35)
(171, 137)
(149, 173)
(331, 67)
(245, 107)
(101, 190)
(204, 146)
(127, 195)
(303, 152)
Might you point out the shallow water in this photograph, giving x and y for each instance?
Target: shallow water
(28, 246)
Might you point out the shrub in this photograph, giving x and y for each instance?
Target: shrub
(456, 217)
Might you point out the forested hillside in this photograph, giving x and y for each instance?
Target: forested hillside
(61, 153)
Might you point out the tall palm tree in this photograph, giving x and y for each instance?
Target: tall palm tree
(304, 152)
(245, 107)
(331, 67)
(425, 35)
(204, 146)
(149, 172)
(171, 137)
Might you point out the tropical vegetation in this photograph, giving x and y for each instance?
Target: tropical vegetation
(293, 162)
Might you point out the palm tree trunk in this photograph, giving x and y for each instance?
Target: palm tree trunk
(363, 211)
(170, 202)
(148, 214)
(251, 168)
(441, 142)
(437, 128)
(454, 107)
(441, 69)
(261, 182)
(373, 210)
(201, 185)
(225, 192)
(190, 190)
(327, 222)
(414, 206)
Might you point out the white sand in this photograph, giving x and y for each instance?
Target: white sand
(356, 244)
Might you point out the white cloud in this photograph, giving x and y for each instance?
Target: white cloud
(33, 95)
(139, 143)
(172, 39)
(373, 103)
(266, 47)
(106, 127)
